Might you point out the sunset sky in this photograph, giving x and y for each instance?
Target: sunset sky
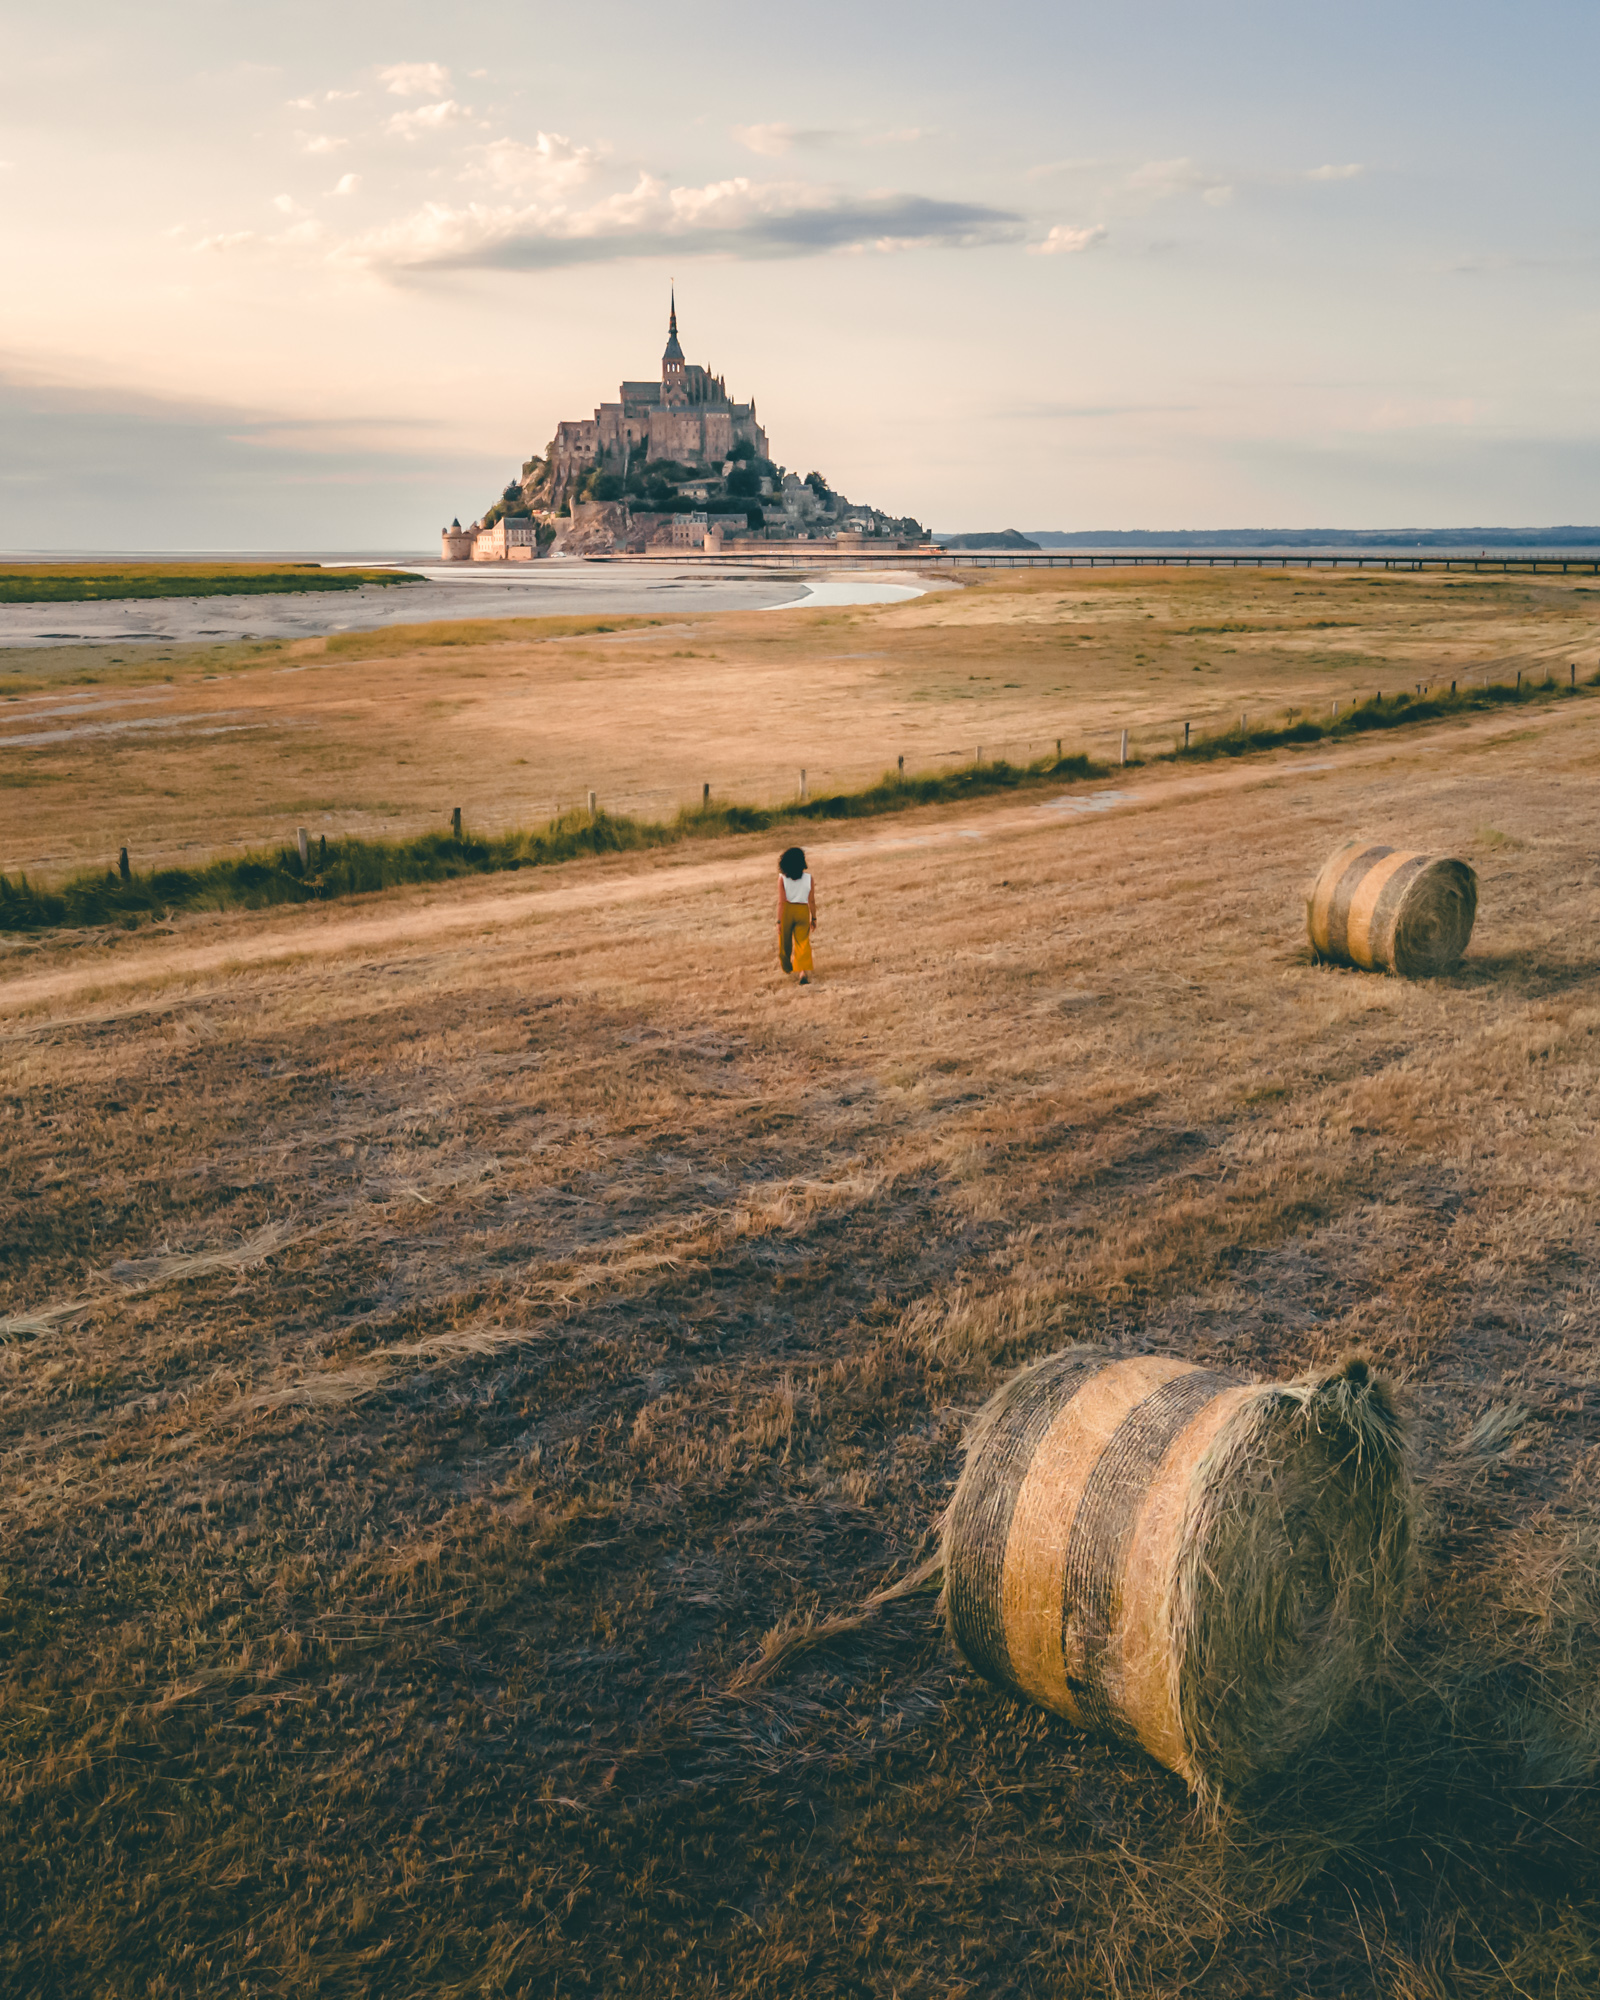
(284, 276)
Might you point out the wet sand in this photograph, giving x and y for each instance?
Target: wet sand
(552, 588)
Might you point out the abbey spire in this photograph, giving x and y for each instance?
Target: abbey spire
(673, 361)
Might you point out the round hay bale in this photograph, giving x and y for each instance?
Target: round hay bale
(1206, 1567)
(1391, 911)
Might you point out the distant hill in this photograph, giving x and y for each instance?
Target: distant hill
(1304, 538)
(1006, 538)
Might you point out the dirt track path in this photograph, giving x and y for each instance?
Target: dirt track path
(416, 916)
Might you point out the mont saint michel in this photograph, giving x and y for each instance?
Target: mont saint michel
(674, 463)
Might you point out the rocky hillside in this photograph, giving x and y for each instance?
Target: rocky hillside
(744, 495)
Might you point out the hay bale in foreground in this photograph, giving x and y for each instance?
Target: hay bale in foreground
(1206, 1567)
(1388, 910)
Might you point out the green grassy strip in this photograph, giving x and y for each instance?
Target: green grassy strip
(73, 583)
(1384, 712)
(351, 867)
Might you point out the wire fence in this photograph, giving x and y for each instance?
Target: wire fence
(1112, 742)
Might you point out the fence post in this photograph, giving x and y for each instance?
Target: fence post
(122, 866)
(802, 784)
(1452, 687)
(591, 808)
(1244, 725)
(455, 823)
(322, 852)
(1519, 680)
(1336, 711)
(304, 846)
(705, 797)
(980, 753)
(1058, 749)
(1124, 746)
(1573, 679)
(1186, 736)
(901, 766)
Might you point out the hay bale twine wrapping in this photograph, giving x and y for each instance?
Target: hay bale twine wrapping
(1203, 1566)
(1388, 910)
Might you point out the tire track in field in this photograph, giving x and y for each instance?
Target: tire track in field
(410, 917)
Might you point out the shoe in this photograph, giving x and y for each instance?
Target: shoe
(805, 979)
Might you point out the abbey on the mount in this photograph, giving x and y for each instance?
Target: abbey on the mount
(672, 464)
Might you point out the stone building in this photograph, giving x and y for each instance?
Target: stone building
(513, 538)
(686, 417)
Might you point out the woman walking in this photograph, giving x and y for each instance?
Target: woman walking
(797, 913)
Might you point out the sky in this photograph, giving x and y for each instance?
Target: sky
(276, 275)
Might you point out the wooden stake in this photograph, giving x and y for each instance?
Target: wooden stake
(455, 822)
(1124, 746)
(304, 846)
(705, 796)
(902, 766)
(591, 808)
(122, 866)
(802, 784)
(1186, 736)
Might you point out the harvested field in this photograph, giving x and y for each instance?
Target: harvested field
(453, 1339)
(180, 753)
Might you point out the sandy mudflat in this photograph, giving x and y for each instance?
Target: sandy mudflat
(541, 590)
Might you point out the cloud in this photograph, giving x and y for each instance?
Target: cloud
(1047, 412)
(228, 240)
(1160, 180)
(286, 204)
(346, 184)
(1347, 173)
(775, 140)
(1063, 242)
(184, 472)
(415, 79)
(552, 161)
(428, 118)
(1048, 167)
(319, 142)
(772, 140)
(738, 217)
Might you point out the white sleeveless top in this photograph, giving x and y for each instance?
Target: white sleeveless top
(796, 892)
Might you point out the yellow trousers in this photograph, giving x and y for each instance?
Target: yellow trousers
(794, 938)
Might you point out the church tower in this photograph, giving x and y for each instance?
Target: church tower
(673, 392)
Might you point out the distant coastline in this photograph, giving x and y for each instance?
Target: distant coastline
(1492, 539)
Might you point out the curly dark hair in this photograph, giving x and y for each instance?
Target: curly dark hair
(792, 862)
